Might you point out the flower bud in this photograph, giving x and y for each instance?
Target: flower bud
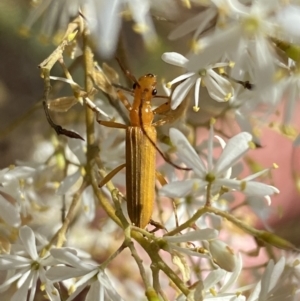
(222, 255)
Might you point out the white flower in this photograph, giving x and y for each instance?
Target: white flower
(100, 285)
(216, 286)
(270, 282)
(13, 199)
(103, 17)
(289, 88)
(244, 39)
(217, 175)
(291, 276)
(243, 102)
(57, 14)
(218, 87)
(180, 245)
(288, 20)
(26, 266)
(71, 183)
(197, 23)
(187, 207)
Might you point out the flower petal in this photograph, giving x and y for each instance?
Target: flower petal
(28, 239)
(35, 277)
(181, 92)
(68, 256)
(235, 148)
(21, 293)
(179, 189)
(213, 278)
(60, 273)
(288, 18)
(19, 172)
(265, 281)
(9, 213)
(276, 273)
(13, 263)
(88, 203)
(174, 58)
(6, 284)
(214, 46)
(234, 275)
(187, 153)
(110, 291)
(68, 182)
(96, 292)
(248, 187)
(197, 22)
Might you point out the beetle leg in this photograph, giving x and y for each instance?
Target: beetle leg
(163, 108)
(170, 115)
(110, 175)
(112, 124)
(124, 100)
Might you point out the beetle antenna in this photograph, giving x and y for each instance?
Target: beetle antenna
(127, 73)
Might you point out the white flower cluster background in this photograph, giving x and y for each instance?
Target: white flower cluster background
(167, 156)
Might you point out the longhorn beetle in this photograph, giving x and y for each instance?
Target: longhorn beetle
(140, 147)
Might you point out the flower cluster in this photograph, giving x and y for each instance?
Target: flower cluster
(66, 232)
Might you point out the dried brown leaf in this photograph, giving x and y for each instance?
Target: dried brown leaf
(62, 104)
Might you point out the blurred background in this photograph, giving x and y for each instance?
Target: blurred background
(22, 120)
(23, 123)
(20, 84)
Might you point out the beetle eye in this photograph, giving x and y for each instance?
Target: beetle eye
(134, 86)
(154, 92)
